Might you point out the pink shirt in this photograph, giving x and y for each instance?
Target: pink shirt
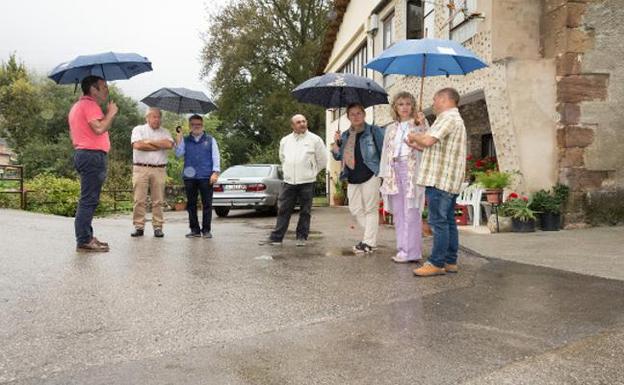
(84, 111)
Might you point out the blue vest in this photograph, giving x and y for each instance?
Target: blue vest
(198, 157)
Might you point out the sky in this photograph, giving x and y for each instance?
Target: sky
(44, 33)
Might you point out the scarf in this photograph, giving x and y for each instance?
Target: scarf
(349, 151)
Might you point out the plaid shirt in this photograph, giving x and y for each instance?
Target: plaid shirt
(443, 165)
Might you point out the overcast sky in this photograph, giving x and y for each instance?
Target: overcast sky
(45, 33)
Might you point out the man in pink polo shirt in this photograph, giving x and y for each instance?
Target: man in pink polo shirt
(88, 128)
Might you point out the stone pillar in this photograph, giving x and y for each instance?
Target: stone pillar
(566, 38)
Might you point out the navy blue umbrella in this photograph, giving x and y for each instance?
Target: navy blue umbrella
(335, 90)
(109, 66)
(180, 100)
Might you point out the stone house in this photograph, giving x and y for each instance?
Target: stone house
(547, 105)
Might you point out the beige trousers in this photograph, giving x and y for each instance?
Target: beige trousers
(152, 179)
(364, 206)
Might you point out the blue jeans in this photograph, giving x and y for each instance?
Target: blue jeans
(91, 167)
(442, 221)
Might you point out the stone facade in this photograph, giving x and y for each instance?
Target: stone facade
(550, 95)
(585, 39)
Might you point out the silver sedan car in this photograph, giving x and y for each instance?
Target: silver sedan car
(249, 186)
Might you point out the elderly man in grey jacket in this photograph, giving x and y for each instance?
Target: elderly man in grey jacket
(302, 154)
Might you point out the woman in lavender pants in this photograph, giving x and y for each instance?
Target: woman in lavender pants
(399, 168)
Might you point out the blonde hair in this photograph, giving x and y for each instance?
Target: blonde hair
(395, 101)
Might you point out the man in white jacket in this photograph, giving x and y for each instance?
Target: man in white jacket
(303, 155)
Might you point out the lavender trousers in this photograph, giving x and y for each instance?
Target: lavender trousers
(407, 221)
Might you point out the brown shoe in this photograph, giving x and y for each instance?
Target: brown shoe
(92, 247)
(105, 244)
(451, 268)
(428, 270)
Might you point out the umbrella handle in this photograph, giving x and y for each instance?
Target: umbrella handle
(422, 82)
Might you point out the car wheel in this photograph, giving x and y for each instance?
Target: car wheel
(222, 211)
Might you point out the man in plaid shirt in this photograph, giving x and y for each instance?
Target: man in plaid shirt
(442, 170)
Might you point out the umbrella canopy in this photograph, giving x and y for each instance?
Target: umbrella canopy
(426, 57)
(109, 66)
(180, 100)
(335, 90)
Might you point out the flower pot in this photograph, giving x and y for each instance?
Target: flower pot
(179, 206)
(519, 226)
(550, 222)
(494, 195)
(504, 224)
(426, 229)
(338, 200)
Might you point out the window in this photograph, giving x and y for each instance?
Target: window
(429, 20)
(388, 40)
(355, 65)
(388, 31)
(463, 29)
(247, 172)
(415, 19)
(487, 146)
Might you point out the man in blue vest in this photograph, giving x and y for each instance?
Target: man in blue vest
(202, 165)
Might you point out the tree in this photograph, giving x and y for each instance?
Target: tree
(258, 51)
(33, 119)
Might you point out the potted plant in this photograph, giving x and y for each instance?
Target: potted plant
(522, 217)
(179, 203)
(426, 229)
(549, 205)
(494, 182)
(501, 222)
(339, 194)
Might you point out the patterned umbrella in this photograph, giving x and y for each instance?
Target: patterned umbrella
(180, 100)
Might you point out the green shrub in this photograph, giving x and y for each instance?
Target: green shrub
(518, 208)
(493, 179)
(53, 195)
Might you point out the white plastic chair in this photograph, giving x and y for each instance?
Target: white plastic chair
(470, 197)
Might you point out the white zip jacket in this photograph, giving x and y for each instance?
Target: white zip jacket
(302, 157)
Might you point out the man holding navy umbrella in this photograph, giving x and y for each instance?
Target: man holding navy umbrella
(88, 127)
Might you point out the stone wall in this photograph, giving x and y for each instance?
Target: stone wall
(585, 39)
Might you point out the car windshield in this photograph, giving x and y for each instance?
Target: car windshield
(247, 172)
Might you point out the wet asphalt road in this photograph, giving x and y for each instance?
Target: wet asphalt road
(227, 311)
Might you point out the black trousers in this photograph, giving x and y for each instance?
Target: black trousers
(192, 187)
(291, 193)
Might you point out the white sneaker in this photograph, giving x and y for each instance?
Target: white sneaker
(402, 259)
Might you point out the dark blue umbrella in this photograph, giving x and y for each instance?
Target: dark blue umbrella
(180, 100)
(335, 90)
(109, 66)
(426, 57)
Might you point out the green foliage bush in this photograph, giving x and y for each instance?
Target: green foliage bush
(49, 194)
(493, 179)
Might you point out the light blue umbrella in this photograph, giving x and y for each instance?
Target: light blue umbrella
(108, 65)
(426, 57)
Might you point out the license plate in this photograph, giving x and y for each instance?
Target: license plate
(235, 187)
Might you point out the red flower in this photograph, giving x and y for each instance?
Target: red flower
(469, 157)
(479, 164)
(513, 195)
(526, 199)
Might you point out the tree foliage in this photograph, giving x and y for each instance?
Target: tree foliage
(257, 51)
(33, 119)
